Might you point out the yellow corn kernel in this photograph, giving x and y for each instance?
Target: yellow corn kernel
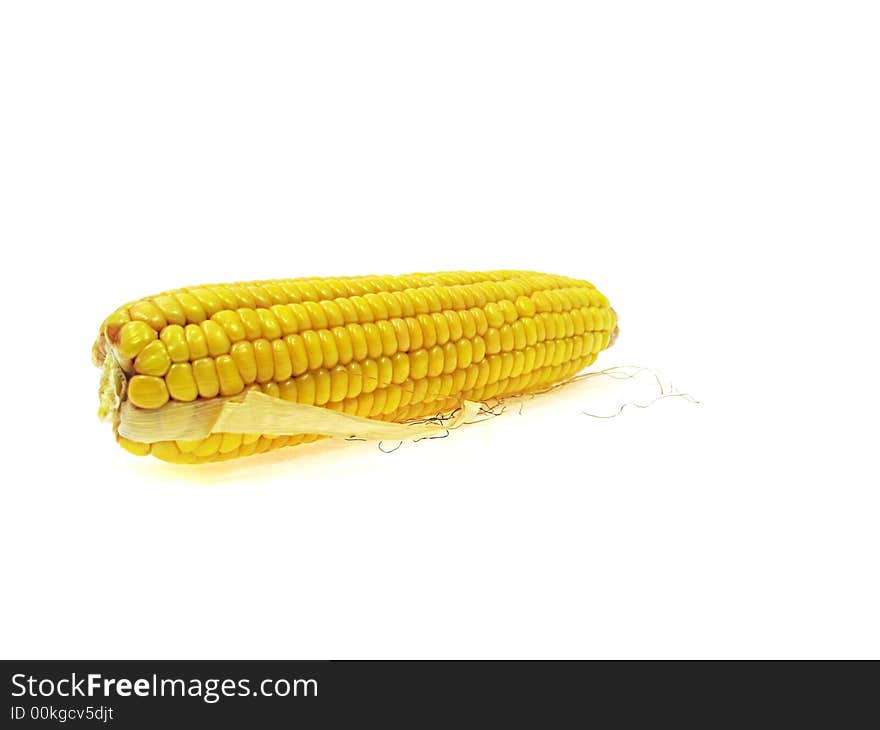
(153, 360)
(306, 388)
(429, 330)
(323, 387)
(265, 358)
(243, 356)
(215, 337)
(291, 318)
(287, 390)
(485, 372)
(529, 356)
(374, 301)
(316, 315)
(209, 296)
(379, 398)
(344, 350)
(401, 334)
(133, 447)
(418, 364)
(192, 308)
(459, 377)
(355, 373)
(281, 360)
(446, 383)
(441, 327)
(133, 337)
(209, 446)
(174, 339)
(349, 313)
(329, 353)
(270, 325)
(206, 377)
(370, 375)
(450, 358)
(148, 312)
(231, 323)
(453, 324)
(525, 307)
(505, 335)
(314, 353)
(386, 372)
(464, 353)
(420, 389)
(494, 368)
(230, 379)
(227, 297)
(388, 337)
(229, 442)
(251, 322)
(468, 324)
(493, 341)
(416, 341)
(333, 313)
(165, 450)
(196, 341)
(400, 366)
(494, 315)
(471, 375)
(147, 391)
(358, 340)
(338, 384)
(374, 340)
(589, 341)
(181, 382)
(171, 309)
(435, 364)
(480, 321)
(299, 356)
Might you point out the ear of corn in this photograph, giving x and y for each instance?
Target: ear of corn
(392, 348)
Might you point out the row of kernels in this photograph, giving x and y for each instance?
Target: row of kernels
(181, 344)
(387, 297)
(195, 304)
(391, 399)
(322, 386)
(294, 318)
(536, 380)
(216, 447)
(408, 333)
(564, 300)
(327, 348)
(206, 377)
(481, 386)
(440, 395)
(598, 319)
(263, 361)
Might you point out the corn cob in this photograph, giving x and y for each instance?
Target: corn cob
(391, 348)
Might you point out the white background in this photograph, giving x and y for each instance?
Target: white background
(712, 167)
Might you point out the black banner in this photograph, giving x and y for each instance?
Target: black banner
(152, 694)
